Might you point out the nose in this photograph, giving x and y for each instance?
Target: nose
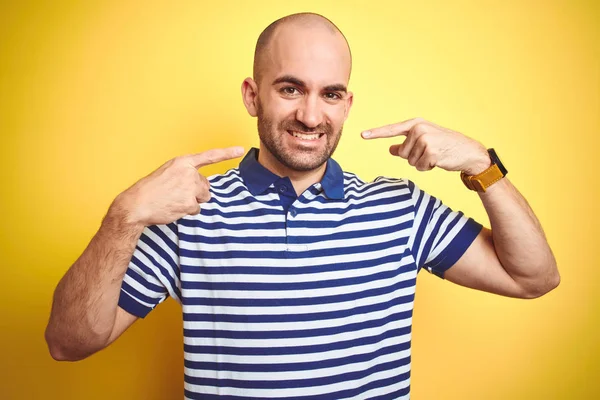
(309, 112)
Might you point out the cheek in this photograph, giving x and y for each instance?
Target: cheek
(278, 109)
(336, 116)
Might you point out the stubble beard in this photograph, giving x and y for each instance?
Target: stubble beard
(298, 159)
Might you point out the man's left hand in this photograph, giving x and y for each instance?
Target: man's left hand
(428, 145)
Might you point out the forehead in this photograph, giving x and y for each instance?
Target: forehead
(315, 55)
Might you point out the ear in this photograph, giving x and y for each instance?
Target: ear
(249, 95)
(348, 105)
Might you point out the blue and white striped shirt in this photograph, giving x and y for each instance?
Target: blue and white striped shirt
(297, 297)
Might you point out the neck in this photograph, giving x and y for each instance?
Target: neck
(301, 180)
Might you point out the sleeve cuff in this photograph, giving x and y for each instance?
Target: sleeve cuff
(456, 249)
(132, 306)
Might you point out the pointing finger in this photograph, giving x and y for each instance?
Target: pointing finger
(214, 156)
(401, 128)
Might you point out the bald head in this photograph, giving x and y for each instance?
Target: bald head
(294, 25)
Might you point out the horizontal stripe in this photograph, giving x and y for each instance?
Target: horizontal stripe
(391, 297)
(296, 333)
(299, 371)
(338, 240)
(295, 317)
(289, 275)
(271, 350)
(319, 281)
(296, 266)
(301, 233)
(309, 253)
(339, 336)
(401, 379)
(303, 364)
(292, 298)
(286, 328)
(298, 383)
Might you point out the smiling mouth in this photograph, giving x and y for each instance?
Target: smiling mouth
(305, 136)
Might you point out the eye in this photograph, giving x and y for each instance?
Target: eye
(333, 96)
(289, 91)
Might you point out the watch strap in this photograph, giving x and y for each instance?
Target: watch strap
(482, 181)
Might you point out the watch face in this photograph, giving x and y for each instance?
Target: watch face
(496, 160)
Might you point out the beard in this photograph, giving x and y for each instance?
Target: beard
(298, 159)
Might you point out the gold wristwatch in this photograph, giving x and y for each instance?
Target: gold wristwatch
(487, 178)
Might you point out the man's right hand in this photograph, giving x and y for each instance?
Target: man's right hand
(92, 286)
(174, 190)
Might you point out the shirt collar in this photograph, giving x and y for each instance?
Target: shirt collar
(257, 178)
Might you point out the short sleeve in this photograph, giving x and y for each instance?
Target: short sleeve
(153, 272)
(439, 236)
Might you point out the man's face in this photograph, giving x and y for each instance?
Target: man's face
(302, 99)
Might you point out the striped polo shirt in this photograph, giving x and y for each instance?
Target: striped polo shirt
(297, 297)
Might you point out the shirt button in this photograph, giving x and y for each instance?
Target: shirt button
(282, 188)
(293, 212)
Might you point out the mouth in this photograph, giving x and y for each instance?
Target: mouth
(305, 136)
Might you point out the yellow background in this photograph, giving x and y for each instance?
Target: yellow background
(96, 94)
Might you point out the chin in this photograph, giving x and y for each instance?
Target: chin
(302, 165)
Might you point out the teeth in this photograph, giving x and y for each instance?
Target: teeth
(305, 136)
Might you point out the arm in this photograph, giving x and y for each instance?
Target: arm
(513, 258)
(85, 316)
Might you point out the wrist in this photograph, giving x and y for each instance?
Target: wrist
(497, 186)
(122, 213)
(480, 163)
(480, 176)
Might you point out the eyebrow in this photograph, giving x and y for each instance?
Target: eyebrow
(298, 82)
(336, 88)
(289, 79)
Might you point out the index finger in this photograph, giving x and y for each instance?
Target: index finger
(401, 128)
(216, 155)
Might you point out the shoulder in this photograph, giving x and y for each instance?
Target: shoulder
(381, 184)
(227, 185)
(230, 177)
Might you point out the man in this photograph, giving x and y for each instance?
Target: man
(296, 279)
